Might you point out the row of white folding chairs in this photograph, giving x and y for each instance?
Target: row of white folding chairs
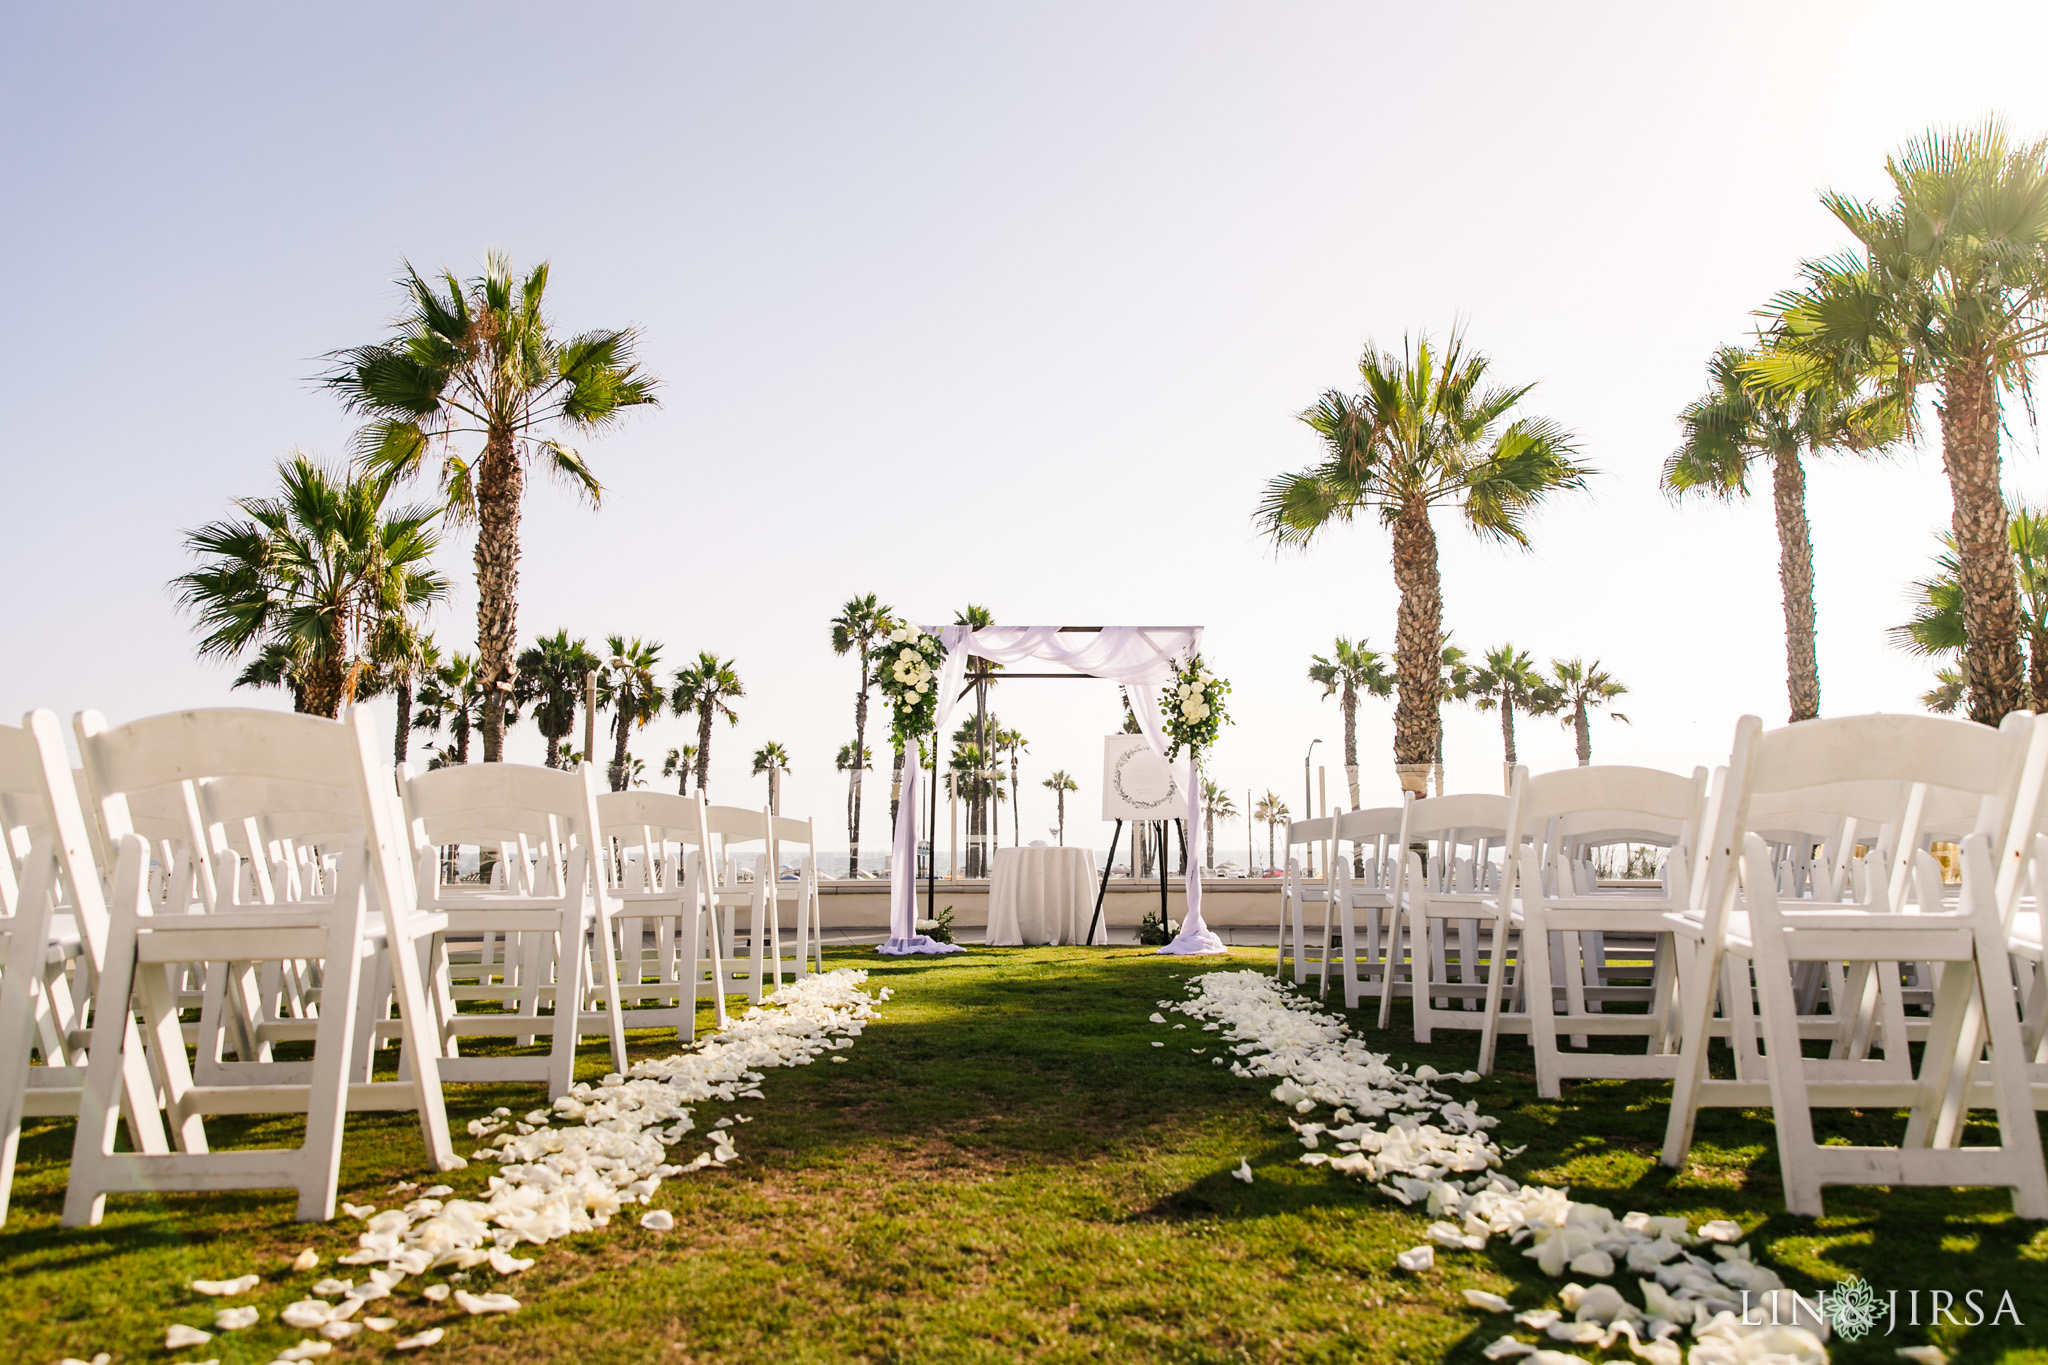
(1750, 939)
(320, 853)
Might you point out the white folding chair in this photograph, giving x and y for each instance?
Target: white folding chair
(550, 891)
(1750, 928)
(798, 838)
(662, 841)
(738, 830)
(1456, 917)
(53, 936)
(1568, 923)
(1299, 891)
(1365, 886)
(146, 938)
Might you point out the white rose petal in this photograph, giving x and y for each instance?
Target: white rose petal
(306, 1260)
(478, 1304)
(661, 1220)
(380, 1324)
(340, 1331)
(306, 1350)
(235, 1319)
(431, 1337)
(1244, 1167)
(178, 1336)
(226, 1288)
(1417, 1258)
(436, 1293)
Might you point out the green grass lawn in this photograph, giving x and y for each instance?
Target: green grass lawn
(1003, 1169)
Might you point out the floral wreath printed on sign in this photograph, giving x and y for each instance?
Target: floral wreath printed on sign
(1195, 713)
(1141, 801)
(910, 681)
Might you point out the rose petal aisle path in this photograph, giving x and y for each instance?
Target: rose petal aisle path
(1002, 1167)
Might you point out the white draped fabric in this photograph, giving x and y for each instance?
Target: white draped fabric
(1140, 658)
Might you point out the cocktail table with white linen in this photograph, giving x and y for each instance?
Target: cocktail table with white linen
(1042, 895)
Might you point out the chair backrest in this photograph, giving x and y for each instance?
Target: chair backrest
(1310, 831)
(169, 756)
(271, 824)
(645, 824)
(527, 811)
(1562, 812)
(736, 828)
(1934, 761)
(39, 805)
(1475, 823)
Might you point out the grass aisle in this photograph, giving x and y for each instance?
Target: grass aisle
(1004, 1168)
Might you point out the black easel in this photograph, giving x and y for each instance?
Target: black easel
(1103, 890)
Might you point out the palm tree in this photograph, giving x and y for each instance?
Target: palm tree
(551, 673)
(1579, 687)
(1739, 423)
(852, 760)
(1506, 681)
(771, 758)
(1950, 693)
(451, 695)
(862, 624)
(1937, 628)
(1456, 684)
(478, 360)
(307, 577)
(975, 776)
(1948, 287)
(1270, 810)
(1429, 428)
(1059, 784)
(706, 688)
(404, 654)
(1014, 743)
(1217, 805)
(677, 765)
(629, 688)
(1349, 669)
(980, 675)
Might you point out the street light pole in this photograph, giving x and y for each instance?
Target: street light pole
(1308, 799)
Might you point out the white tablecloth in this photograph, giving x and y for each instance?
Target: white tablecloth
(1042, 895)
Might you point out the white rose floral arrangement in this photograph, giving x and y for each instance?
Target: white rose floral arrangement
(910, 680)
(1195, 713)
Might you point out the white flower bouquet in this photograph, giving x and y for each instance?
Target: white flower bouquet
(910, 680)
(1195, 713)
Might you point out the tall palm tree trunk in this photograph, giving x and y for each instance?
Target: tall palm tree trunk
(1208, 840)
(1417, 648)
(860, 739)
(624, 727)
(1016, 804)
(401, 743)
(703, 747)
(1795, 580)
(1507, 732)
(500, 489)
(1349, 701)
(1991, 610)
(1584, 733)
(1269, 845)
(326, 678)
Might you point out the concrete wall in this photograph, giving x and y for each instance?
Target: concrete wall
(850, 905)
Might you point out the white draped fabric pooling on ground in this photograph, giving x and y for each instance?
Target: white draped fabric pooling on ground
(1141, 658)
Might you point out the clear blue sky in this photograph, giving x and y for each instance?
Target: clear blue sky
(963, 303)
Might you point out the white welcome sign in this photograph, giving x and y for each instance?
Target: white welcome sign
(1137, 784)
